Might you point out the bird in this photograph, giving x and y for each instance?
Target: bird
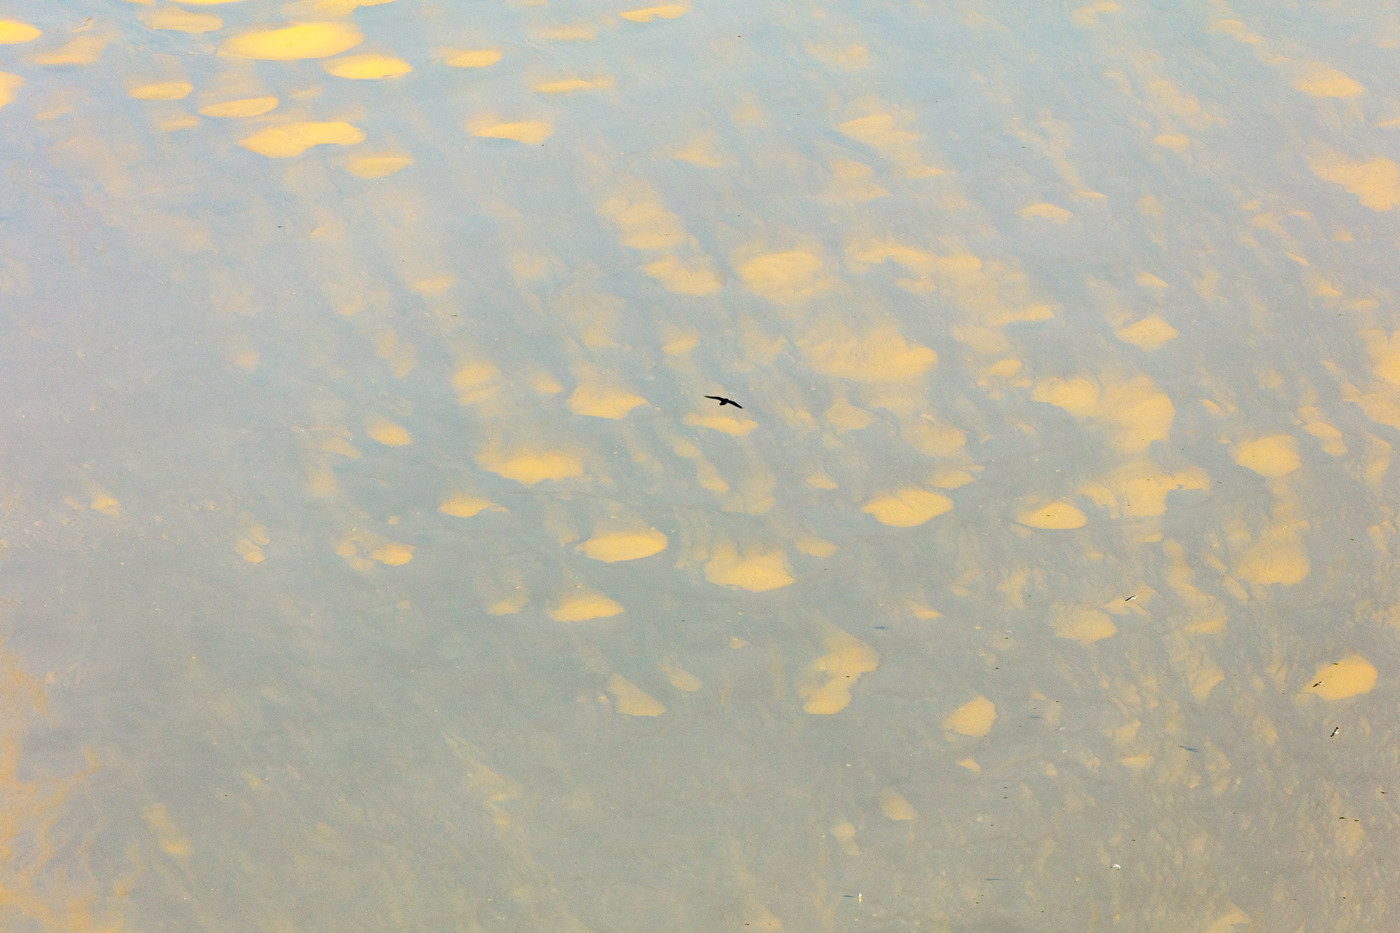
(724, 401)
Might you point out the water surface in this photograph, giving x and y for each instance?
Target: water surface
(372, 558)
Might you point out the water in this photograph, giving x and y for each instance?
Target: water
(372, 558)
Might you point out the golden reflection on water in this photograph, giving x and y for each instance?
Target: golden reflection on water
(36, 889)
(1048, 556)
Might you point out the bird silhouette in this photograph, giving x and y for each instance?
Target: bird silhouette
(724, 401)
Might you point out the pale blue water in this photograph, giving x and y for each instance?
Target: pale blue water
(371, 558)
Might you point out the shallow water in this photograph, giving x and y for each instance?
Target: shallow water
(371, 557)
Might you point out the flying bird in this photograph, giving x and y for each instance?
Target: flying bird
(724, 401)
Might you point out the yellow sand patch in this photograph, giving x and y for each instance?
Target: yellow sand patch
(531, 466)
(631, 700)
(681, 343)
(1148, 333)
(959, 265)
(101, 501)
(952, 479)
(434, 284)
(172, 122)
(360, 549)
(737, 425)
(1278, 556)
(337, 443)
(1319, 80)
(326, 7)
(162, 90)
(320, 481)
(531, 132)
(83, 50)
(844, 416)
(571, 85)
(815, 547)
(701, 151)
(844, 832)
(1328, 436)
(377, 166)
(1139, 488)
(474, 380)
(172, 841)
(934, 439)
(1375, 183)
(881, 356)
(908, 507)
(895, 807)
(545, 384)
(1085, 626)
(393, 554)
(251, 543)
(1237, 30)
(917, 261)
(1087, 16)
(922, 610)
(679, 678)
(647, 14)
(577, 32)
(1135, 411)
(1140, 413)
(583, 606)
(247, 359)
(244, 107)
(401, 355)
(470, 58)
(624, 545)
(1057, 516)
(1205, 676)
(825, 687)
(292, 139)
(1349, 677)
(304, 40)
(9, 84)
(853, 182)
(464, 506)
(1047, 211)
(755, 571)
(850, 56)
(643, 222)
(696, 279)
(1078, 396)
(509, 605)
(1380, 407)
(1384, 351)
(367, 67)
(173, 19)
(1272, 456)
(12, 32)
(388, 433)
(598, 401)
(974, 718)
(786, 277)
(878, 131)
